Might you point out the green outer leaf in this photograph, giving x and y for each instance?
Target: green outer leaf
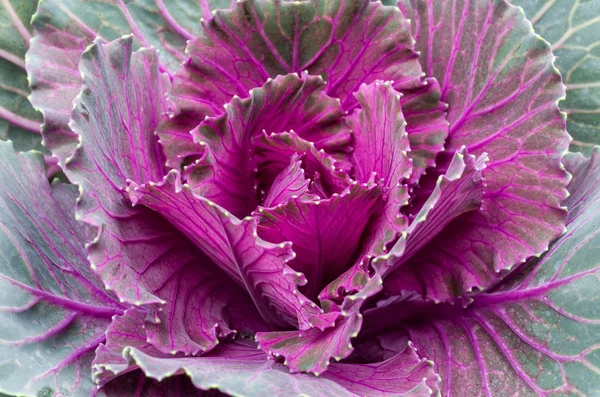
(19, 122)
(53, 310)
(163, 24)
(573, 29)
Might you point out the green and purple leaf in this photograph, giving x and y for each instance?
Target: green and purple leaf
(536, 333)
(115, 116)
(502, 89)
(238, 368)
(54, 308)
(240, 49)
(573, 30)
(416, 265)
(64, 28)
(266, 109)
(320, 37)
(312, 350)
(404, 374)
(426, 126)
(381, 147)
(234, 367)
(19, 122)
(380, 141)
(202, 305)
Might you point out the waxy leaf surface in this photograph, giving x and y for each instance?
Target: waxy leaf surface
(286, 103)
(64, 28)
(502, 89)
(573, 30)
(53, 309)
(537, 333)
(19, 122)
(258, 266)
(238, 368)
(138, 254)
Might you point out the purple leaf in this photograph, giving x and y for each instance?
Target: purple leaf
(202, 304)
(258, 266)
(120, 100)
(234, 368)
(125, 330)
(379, 347)
(426, 126)
(51, 63)
(380, 142)
(282, 104)
(404, 374)
(240, 49)
(311, 351)
(271, 154)
(458, 191)
(497, 77)
(290, 183)
(53, 308)
(421, 267)
(351, 281)
(63, 30)
(116, 376)
(380, 146)
(20, 122)
(342, 217)
(176, 139)
(238, 368)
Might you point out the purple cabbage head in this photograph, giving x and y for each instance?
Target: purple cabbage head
(286, 198)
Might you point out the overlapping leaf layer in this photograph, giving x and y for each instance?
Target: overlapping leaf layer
(324, 198)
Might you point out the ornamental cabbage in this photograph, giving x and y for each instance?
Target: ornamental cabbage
(285, 198)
